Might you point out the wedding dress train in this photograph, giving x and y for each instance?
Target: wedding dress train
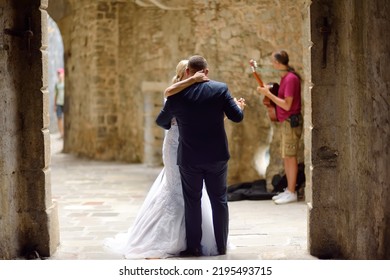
(159, 229)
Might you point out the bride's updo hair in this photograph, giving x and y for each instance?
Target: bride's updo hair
(180, 71)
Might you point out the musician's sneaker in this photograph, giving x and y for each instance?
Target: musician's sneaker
(287, 197)
(279, 195)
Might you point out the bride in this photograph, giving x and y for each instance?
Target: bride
(159, 229)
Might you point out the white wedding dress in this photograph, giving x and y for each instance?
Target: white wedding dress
(159, 229)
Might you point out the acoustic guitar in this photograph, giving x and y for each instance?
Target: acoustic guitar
(273, 87)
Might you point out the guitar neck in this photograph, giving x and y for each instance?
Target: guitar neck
(253, 65)
(260, 82)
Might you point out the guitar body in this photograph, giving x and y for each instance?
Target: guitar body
(273, 87)
(271, 106)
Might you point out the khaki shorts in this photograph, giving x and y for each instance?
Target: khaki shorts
(290, 138)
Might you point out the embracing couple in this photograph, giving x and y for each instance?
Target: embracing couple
(185, 212)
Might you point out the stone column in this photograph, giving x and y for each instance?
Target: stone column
(349, 215)
(29, 216)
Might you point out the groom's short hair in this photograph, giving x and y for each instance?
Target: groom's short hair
(197, 63)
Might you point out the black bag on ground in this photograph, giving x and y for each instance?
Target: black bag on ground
(256, 190)
(279, 182)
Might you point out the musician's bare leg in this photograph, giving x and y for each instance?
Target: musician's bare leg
(291, 170)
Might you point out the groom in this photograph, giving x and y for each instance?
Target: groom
(203, 151)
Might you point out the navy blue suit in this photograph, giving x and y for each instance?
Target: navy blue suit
(203, 153)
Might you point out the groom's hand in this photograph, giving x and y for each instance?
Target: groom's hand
(240, 103)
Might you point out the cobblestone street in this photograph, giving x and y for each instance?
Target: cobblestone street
(99, 199)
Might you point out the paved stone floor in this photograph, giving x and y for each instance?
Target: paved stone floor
(99, 199)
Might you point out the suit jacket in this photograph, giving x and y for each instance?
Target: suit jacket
(200, 111)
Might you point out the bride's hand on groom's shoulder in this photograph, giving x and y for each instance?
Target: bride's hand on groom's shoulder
(200, 76)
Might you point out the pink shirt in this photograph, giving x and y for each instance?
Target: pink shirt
(290, 85)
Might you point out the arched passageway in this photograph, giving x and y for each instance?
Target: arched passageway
(346, 122)
(56, 62)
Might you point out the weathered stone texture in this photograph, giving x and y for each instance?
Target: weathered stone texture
(350, 147)
(24, 145)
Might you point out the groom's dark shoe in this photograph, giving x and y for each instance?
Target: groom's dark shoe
(222, 251)
(191, 253)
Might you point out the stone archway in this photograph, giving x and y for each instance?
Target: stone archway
(332, 169)
(345, 153)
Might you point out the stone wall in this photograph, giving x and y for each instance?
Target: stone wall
(350, 199)
(113, 48)
(8, 145)
(28, 218)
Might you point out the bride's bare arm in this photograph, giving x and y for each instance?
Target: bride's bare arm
(179, 86)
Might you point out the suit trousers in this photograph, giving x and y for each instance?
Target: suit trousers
(215, 177)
